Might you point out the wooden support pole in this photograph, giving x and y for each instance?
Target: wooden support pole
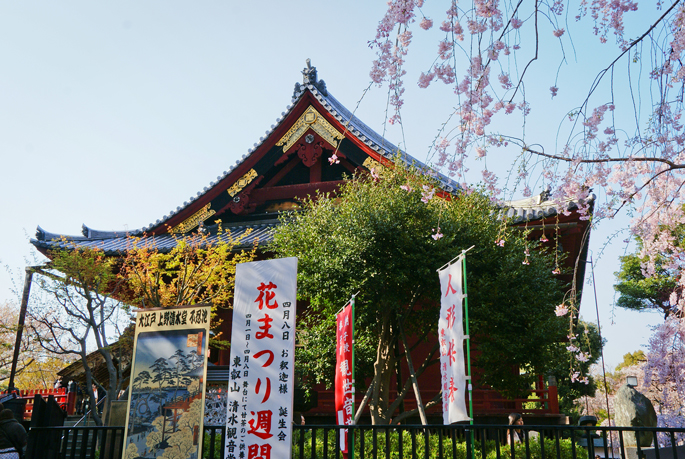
(20, 325)
(414, 382)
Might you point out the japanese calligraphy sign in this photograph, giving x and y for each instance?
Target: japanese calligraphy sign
(261, 382)
(166, 400)
(451, 338)
(344, 382)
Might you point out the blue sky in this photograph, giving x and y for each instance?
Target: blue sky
(153, 345)
(114, 113)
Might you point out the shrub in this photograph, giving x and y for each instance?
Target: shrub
(413, 444)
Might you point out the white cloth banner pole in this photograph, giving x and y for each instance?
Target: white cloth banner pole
(262, 370)
(451, 337)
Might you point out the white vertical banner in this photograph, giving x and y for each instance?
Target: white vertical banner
(451, 337)
(262, 368)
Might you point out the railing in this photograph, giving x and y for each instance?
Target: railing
(543, 401)
(485, 402)
(74, 442)
(64, 399)
(397, 442)
(86, 416)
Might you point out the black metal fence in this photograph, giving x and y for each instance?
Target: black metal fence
(397, 442)
(75, 442)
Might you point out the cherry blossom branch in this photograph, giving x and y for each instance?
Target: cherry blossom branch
(642, 187)
(537, 45)
(600, 75)
(671, 164)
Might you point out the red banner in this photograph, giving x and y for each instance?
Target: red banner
(344, 383)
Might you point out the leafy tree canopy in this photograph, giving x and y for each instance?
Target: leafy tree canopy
(650, 292)
(36, 368)
(200, 268)
(385, 239)
(631, 359)
(81, 312)
(579, 354)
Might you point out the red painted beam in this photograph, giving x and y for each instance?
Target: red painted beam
(261, 195)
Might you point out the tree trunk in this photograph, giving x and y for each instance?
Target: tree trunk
(415, 384)
(384, 370)
(89, 386)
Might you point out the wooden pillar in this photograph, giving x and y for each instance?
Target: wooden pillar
(20, 325)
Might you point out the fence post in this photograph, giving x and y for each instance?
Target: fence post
(553, 398)
(469, 445)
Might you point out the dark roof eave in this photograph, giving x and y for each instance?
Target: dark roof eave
(117, 246)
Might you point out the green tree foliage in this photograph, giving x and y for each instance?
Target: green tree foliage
(375, 238)
(200, 268)
(631, 359)
(83, 285)
(36, 368)
(569, 391)
(646, 283)
(644, 293)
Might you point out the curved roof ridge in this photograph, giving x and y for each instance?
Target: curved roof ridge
(317, 87)
(91, 233)
(370, 137)
(541, 206)
(238, 162)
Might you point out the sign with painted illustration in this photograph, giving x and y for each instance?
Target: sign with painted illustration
(166, 393)
(260, 387)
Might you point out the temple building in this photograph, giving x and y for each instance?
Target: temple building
(292, 161)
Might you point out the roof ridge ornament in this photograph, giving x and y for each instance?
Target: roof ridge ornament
(309, 76)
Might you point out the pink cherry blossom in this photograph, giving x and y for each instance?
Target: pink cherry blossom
(561, 310)
(425, 79)
(427, 193)
(426, 23)
(620, 150)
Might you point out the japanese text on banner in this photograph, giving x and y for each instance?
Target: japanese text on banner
(261, 380)
(344, 384)
(451, 338)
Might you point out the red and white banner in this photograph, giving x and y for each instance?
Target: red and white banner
(262, 373)
(451, 336)
(344, 383)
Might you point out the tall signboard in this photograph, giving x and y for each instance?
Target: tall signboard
(166, 402)
(262, 372)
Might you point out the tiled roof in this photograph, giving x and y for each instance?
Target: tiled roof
(117, 243)
(360, 130)
(354, 125)
(537, 207)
